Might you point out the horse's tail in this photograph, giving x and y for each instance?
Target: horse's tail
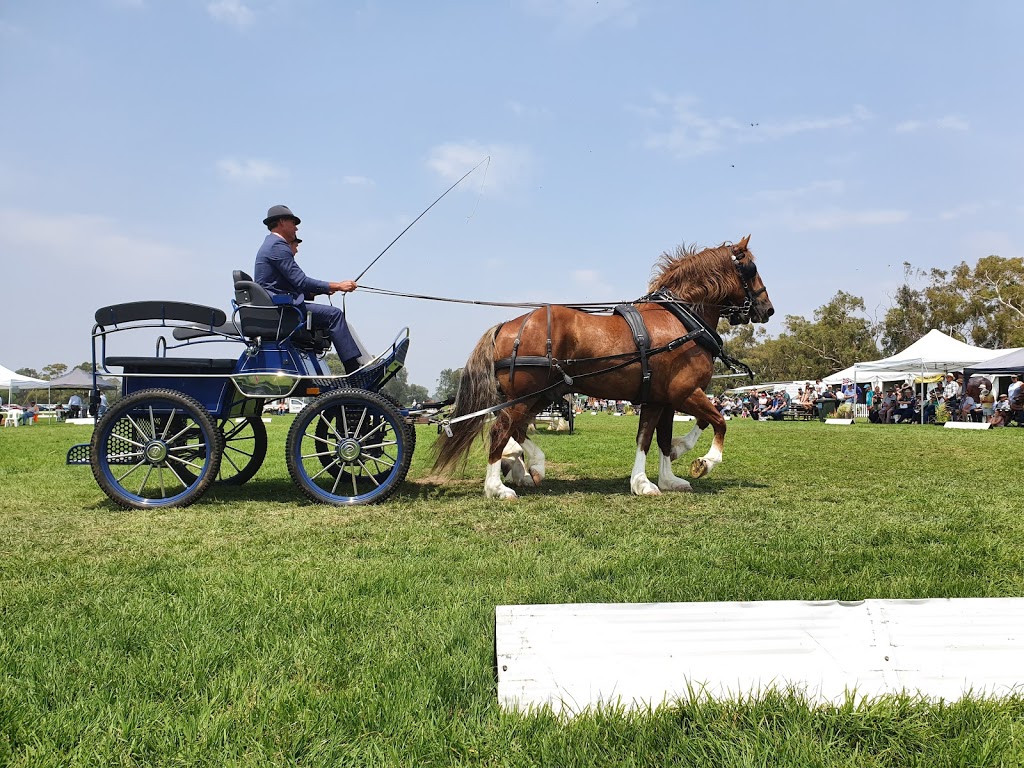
(478, 389)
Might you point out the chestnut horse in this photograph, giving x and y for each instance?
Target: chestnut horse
(554, 350)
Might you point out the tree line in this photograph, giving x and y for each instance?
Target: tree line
(981, 305)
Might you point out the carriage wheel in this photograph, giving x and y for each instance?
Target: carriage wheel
(245, 448)
(155, 448)
(349, 446)
(323, 432)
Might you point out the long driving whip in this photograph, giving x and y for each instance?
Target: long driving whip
(453, 186)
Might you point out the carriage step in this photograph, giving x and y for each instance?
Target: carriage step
(79, 454)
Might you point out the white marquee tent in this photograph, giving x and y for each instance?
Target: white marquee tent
(11, 381)
(935, 352)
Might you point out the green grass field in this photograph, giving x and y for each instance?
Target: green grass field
(254, 628)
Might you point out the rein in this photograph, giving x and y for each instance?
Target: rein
(597, 307)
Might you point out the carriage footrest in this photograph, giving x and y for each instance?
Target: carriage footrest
(374, 376)
(79, 454)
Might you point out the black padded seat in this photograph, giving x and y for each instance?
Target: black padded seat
(174, 365)
(259, 316)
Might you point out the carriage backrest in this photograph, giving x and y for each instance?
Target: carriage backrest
(258, 315)
(139, 311)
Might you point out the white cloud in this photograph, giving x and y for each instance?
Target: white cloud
(509, 165)
(58, 240)
(961, 211)
(953, 123)
(585, 14)
(250, 170)
(909, 126)
(89, 262)
(690, 133)
(357, 181)
(836, 218)
(815, 188)
(234, 12)
(946, 123)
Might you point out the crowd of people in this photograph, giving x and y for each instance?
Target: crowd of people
(900, 404)
(812, 399)
(895, 405)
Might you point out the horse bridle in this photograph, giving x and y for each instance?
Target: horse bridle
(746, 270)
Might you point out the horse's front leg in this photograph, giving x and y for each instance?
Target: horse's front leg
(638, 482)
(698, 406)
(667, 480)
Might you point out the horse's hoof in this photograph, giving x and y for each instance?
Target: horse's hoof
(677, 485)
(504, 493)
(699, 468)
(644, 488)
(538, 477)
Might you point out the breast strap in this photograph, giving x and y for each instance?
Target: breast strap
(642, 339)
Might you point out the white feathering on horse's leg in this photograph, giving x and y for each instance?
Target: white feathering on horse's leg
(684, 444)
(534, 461)
(667, 481)
(493, 487)
(702, 467)
(513, 468)
(638, 482)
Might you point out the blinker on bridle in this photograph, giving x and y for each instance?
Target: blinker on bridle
(745, 271)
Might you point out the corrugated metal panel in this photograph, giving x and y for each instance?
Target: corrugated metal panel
(570, 657)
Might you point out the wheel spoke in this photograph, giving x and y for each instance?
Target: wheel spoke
(145, 480)
(326, 467)
(122, 477)
(181, 432)
(369, 434)
(136, 427)
(114, 435)
(369, 474)
(167, 425)
(186, 463)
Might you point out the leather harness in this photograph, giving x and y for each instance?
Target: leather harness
(696, 330)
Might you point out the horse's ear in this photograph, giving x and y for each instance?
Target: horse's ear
(742, 244)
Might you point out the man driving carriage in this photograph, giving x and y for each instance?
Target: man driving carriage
(278, 272)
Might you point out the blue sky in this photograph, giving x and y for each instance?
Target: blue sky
(143, 141)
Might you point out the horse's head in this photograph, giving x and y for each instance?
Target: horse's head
(749, 295)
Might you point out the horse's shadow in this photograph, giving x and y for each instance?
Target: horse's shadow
(603, 486)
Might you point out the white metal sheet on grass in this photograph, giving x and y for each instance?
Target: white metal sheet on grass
(570, 657)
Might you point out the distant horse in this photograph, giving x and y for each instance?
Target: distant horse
(659, 351)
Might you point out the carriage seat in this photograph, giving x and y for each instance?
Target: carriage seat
(169, 366)
(259, 315)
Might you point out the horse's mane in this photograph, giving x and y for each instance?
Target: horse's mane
(694, 275)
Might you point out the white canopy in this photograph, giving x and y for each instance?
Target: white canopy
(11, 381)
(935, 352)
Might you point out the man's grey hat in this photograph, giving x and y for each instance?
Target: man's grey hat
(280, 212)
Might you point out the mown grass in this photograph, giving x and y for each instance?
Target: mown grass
(254, 628)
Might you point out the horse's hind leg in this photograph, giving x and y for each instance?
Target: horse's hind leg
(667, 481)
(638, 481)
(510, 422)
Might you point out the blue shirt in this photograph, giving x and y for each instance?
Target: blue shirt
(277, 271)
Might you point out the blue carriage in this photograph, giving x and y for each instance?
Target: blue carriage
(185, 423)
